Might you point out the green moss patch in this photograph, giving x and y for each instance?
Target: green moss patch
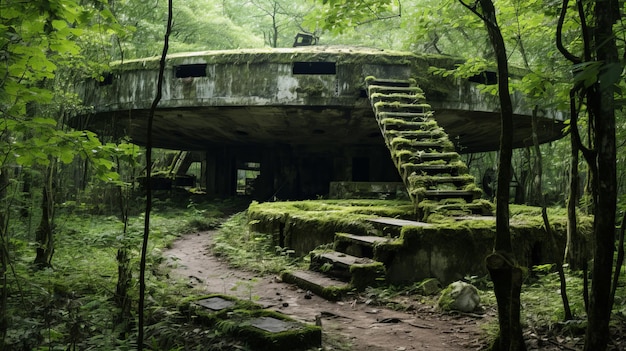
(263, 330)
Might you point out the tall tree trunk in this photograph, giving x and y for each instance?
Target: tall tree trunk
(602, 106)
(43, 234)
(503, 269)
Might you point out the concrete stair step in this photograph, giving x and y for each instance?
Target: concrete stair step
(406, 156)
(406, 116)
(387, 89)
(416, 145)
(438, 195)
(390, 82)
(399, 97)
(430, 134)
(389, 123)
(392, 226)
(432, 181)
(395, 106)
(318, 283)
(358, 245)
(475, 209)
(451, 169)
(360, 271)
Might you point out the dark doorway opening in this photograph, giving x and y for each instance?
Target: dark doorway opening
(360, 169)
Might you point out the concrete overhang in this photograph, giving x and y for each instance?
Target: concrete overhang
(300, 96)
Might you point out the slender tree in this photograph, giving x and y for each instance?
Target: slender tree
(505, 273)
(146, 233)
(598, 70)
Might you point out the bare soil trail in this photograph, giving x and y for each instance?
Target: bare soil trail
(352, 321)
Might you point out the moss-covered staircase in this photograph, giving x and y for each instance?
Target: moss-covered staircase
(435, 177)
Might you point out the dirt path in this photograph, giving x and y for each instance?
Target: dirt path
(352, 321)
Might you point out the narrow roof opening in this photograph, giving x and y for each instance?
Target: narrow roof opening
(192, 70)
(324, 68)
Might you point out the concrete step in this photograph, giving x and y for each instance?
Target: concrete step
(406, 156)
(390, 82)
(438, 195)
(441, 182)
(451, 169)
(398, 107)
(371, 89)
(399, 97)
(360, 271)
(406, 116)
(417, 145)
(416, 134)
(359, 245)
(390, 123)
(392, 226)
(318, 283)
(474, 209)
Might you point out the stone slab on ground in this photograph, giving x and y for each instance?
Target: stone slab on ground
(215, 303)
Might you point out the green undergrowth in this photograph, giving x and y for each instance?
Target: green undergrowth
(250, 250)
(71, 304)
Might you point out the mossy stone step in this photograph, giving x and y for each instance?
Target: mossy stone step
(400, 97)
(336, 263)
(393, 226)
(406, 156)
(477, 208)
(390, 82)
(457, 181)
(438, 145)
(416, 134)
(394, 106)
(406, 116)
(318, 283)
(358, 245)
(438, 195)
(372, 89)
(361, 271)
(400, 124)
(451, 169)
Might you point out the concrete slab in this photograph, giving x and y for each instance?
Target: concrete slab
(216, 303)
(365, 239)
(273, 325)
(398, 222)
(318, 283)
(345, 259)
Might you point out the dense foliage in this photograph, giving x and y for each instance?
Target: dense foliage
(53, 178)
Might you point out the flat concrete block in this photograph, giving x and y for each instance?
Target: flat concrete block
(215, 303)
(273, 325)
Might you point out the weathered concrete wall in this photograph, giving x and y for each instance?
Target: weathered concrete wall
(303, 95)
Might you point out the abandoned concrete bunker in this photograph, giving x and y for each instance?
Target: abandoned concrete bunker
(311, 121)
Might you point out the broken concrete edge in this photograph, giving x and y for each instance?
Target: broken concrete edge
(238, 320)
(331, 293)
(367, 275)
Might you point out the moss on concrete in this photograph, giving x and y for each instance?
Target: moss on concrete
(448, 249)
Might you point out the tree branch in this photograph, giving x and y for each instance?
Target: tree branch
(559, 33)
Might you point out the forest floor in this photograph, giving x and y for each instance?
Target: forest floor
(351, 324)
(355, 323)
